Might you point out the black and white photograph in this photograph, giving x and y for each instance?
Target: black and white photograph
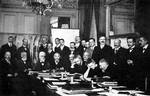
(74, 47)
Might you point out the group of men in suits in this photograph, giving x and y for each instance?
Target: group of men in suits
(131, 65)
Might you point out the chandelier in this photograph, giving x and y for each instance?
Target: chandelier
(41, 6)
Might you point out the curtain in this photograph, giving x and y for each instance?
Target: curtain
(142, 18)
(86, 8)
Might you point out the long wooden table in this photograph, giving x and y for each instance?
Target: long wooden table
(61, 84)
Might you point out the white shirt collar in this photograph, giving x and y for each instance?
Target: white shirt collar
(77, 45)
(132, 47)
(92, 47)
(10, 44)
(57, 45)
(102, 46)
(117, 48)
(62, 47)
(145, 47)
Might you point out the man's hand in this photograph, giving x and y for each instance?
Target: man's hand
(9, 75)
(130, 62)
(16, 74)
(106, 77)
(92, 65)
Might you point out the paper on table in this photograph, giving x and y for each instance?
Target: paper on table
(58, 83)
(50, 79)
(98, 89)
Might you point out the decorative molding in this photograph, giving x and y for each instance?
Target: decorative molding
(64, 4)
(127, 21)
(67, 4)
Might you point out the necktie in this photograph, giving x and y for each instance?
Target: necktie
(116, 51)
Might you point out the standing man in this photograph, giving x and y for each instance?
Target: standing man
(133, 62)
(72, 48)
(7, 72)
(88, 49)
(144, 67)
(24, 48)
(50, 53)
(120, 60)
(43, 46)
(92, 45)
(79, 48)
(102, 51)
(64, 52)
(57, 42)
(83, 43)
(9, 47)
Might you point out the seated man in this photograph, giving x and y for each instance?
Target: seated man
(57, 63)
(23, 64)
(22, 86)
(42, 64)
(103, 70)
(7, 72)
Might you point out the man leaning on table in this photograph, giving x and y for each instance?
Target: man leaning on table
(103, 70)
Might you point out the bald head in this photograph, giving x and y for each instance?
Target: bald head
(77, 39)
(86, 55)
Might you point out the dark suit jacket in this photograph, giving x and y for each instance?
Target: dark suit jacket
(64, 55)
(105, 53)
(40, 67)
(6, 82)
(145, 61)
(23, 49)
(79, 50)
(78, 69)
(134, 55)
(56, 49)
(42, 48)
(50, 56)
(53, 65)
(110, 71)
(5, 48)
(6, 68)
(133, 68)
(22, 68)
(120, 58)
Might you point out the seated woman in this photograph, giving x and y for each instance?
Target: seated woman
(86, 60)
(77, 65)
(103, 70)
